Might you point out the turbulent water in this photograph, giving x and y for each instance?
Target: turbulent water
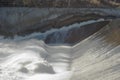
(33, 60)
(29, 58)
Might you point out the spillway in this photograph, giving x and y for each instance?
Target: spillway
(93, 58)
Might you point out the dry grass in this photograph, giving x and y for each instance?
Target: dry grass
(114, 3)
(27, 2)
(97, 2)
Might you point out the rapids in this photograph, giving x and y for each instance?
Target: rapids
(29, 58)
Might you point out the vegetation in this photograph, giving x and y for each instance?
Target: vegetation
(60, 3)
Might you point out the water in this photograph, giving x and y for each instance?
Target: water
(42, 36)
(29, 58)
(97, 57)
(22, 60)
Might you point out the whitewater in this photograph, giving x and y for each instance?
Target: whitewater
(30, 58)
